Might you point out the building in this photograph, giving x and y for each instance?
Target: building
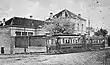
(65, 16)
(23, 26)
(16, 27)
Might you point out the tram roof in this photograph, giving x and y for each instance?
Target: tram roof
(65, 35)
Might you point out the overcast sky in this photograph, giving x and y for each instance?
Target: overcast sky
(98, 11)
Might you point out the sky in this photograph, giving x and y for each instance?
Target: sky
(97, 11)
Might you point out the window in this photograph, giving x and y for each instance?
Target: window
(30, 33)
(76, 40)
(66, 41)
(24, 33)
(78, 26)
(18, 33)
(82, 27)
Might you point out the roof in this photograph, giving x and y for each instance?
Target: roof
(23, 22)
(66, 35)
(67, 13)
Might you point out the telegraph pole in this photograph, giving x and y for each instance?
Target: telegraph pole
(24, 43)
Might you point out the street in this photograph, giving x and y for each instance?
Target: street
(82, 58)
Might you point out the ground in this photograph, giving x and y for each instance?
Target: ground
(82, 58)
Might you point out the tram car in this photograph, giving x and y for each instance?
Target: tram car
(73, 43)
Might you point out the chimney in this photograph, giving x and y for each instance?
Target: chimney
(3, 22)
(51, 15)
(31, 16)
(79, 15)
(89, 23)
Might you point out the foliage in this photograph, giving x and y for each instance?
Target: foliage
(61, 27)
(102, 32)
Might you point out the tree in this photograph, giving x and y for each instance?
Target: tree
(61, 27)
(102, 32)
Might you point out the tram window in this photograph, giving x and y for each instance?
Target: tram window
(72, 41)
(96, 41)
(76, 40)
(92, 41)
(63, 40)
(67, 41)
(99, 41)
(52, 41)
(87, 41)
(49, 41)
(79, 41)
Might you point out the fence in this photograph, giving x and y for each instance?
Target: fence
(31, 43)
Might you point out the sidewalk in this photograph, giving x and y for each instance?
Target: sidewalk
(7, 56)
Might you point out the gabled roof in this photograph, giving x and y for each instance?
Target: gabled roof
(23, 22)
(67, 13)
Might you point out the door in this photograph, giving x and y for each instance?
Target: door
(2, 50)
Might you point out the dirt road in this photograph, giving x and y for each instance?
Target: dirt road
(83, 58)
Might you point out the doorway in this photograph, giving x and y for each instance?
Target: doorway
(2, 50)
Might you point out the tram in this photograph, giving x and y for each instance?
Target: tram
(74, 43)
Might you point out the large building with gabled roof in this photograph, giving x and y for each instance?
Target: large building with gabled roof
(66, 16)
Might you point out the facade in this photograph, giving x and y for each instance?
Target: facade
(24, 27)
(5, 40)
(65, 16)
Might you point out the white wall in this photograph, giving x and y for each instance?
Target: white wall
(5, 40)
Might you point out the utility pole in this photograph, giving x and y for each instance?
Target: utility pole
(24, 43)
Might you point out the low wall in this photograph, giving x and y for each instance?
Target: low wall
(29, 49)
(36, 49)
(5, 40)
